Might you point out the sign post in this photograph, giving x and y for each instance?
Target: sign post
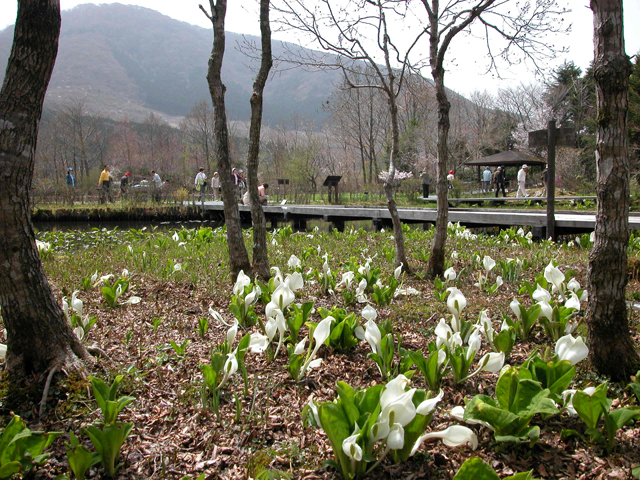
(332, 181)
(551, 180)
(549, 138)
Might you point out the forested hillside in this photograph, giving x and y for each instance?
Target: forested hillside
(126, 61)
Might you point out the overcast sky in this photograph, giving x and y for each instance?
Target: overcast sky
(464, 74)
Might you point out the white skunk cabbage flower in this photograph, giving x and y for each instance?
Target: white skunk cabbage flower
(241, 282)
(488, 263)
(541, 294)
(454, 436)
(351, 449)
(369, 313)
(294, 262)
(555, 276)
(515, 308)
(450, 275)
(572, 349)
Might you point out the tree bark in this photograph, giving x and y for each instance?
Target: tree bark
(435, 266)
(401, 256)
(260, 258)
(439, 41)
(38, 335)
(612, 350)
(238, 256)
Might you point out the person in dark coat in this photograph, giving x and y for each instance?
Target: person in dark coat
(124, 185)
(426, 181)
(499, 180)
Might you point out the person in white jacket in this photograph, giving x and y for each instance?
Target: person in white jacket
(200, 183)
(522, 178)
(215, 186)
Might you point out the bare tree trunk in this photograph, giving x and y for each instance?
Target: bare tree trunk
(260, 258)
(612, 350)
(372, 146)
(401, 256)
(436, 260)
(38, 334)
(238, 257)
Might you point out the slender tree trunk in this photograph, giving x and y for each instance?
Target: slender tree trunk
(612, 350)
(260, 258)
(361, 140)
(401, 256)
(436, 260)
(372, 146)
(363, 159)
(38, 335)
(238, 256)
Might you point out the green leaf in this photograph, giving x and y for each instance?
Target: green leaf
(336, 426)
(529, 435)
(484, 408)
(569, 432)
(347, 402)
(16, 425)
(412, 431)
(80, 458)
(589, 408)
(476, 469)
(635, 386)
(368, 400)
(532, 399)
(108, 443)
(562, 379)
(507, 389)
(295, 365)
(504, 340)
(9, 469)
(31, 445)
(622, 416)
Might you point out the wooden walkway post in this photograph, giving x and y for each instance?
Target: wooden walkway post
(551, 179)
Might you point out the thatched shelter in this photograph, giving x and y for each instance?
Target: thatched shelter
(508, 158)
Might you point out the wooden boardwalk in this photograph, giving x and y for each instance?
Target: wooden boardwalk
(566, 222)
(490, 200)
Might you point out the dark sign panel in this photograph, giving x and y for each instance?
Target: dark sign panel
(565, 137)
(332, 181)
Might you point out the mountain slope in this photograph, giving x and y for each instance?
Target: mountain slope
(126, 61)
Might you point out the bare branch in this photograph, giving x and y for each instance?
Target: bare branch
(206, 13)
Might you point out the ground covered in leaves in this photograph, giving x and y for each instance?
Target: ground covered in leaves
(180, 277)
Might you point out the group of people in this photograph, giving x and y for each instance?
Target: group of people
(200, 185)
(426, 181)
(105, 180)
(499, 180)
(262, 195)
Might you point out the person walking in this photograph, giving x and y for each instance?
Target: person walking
(238, 181)
(156, 185)
(200, 183)
(71, 179)
(71, 185)
(426, 181)
(262, 194)
(215, 186)
(450, 178)
(499, 180)
(104, 184)
(486, 180)
(124, 185)
(544, 177)
(522, 179)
